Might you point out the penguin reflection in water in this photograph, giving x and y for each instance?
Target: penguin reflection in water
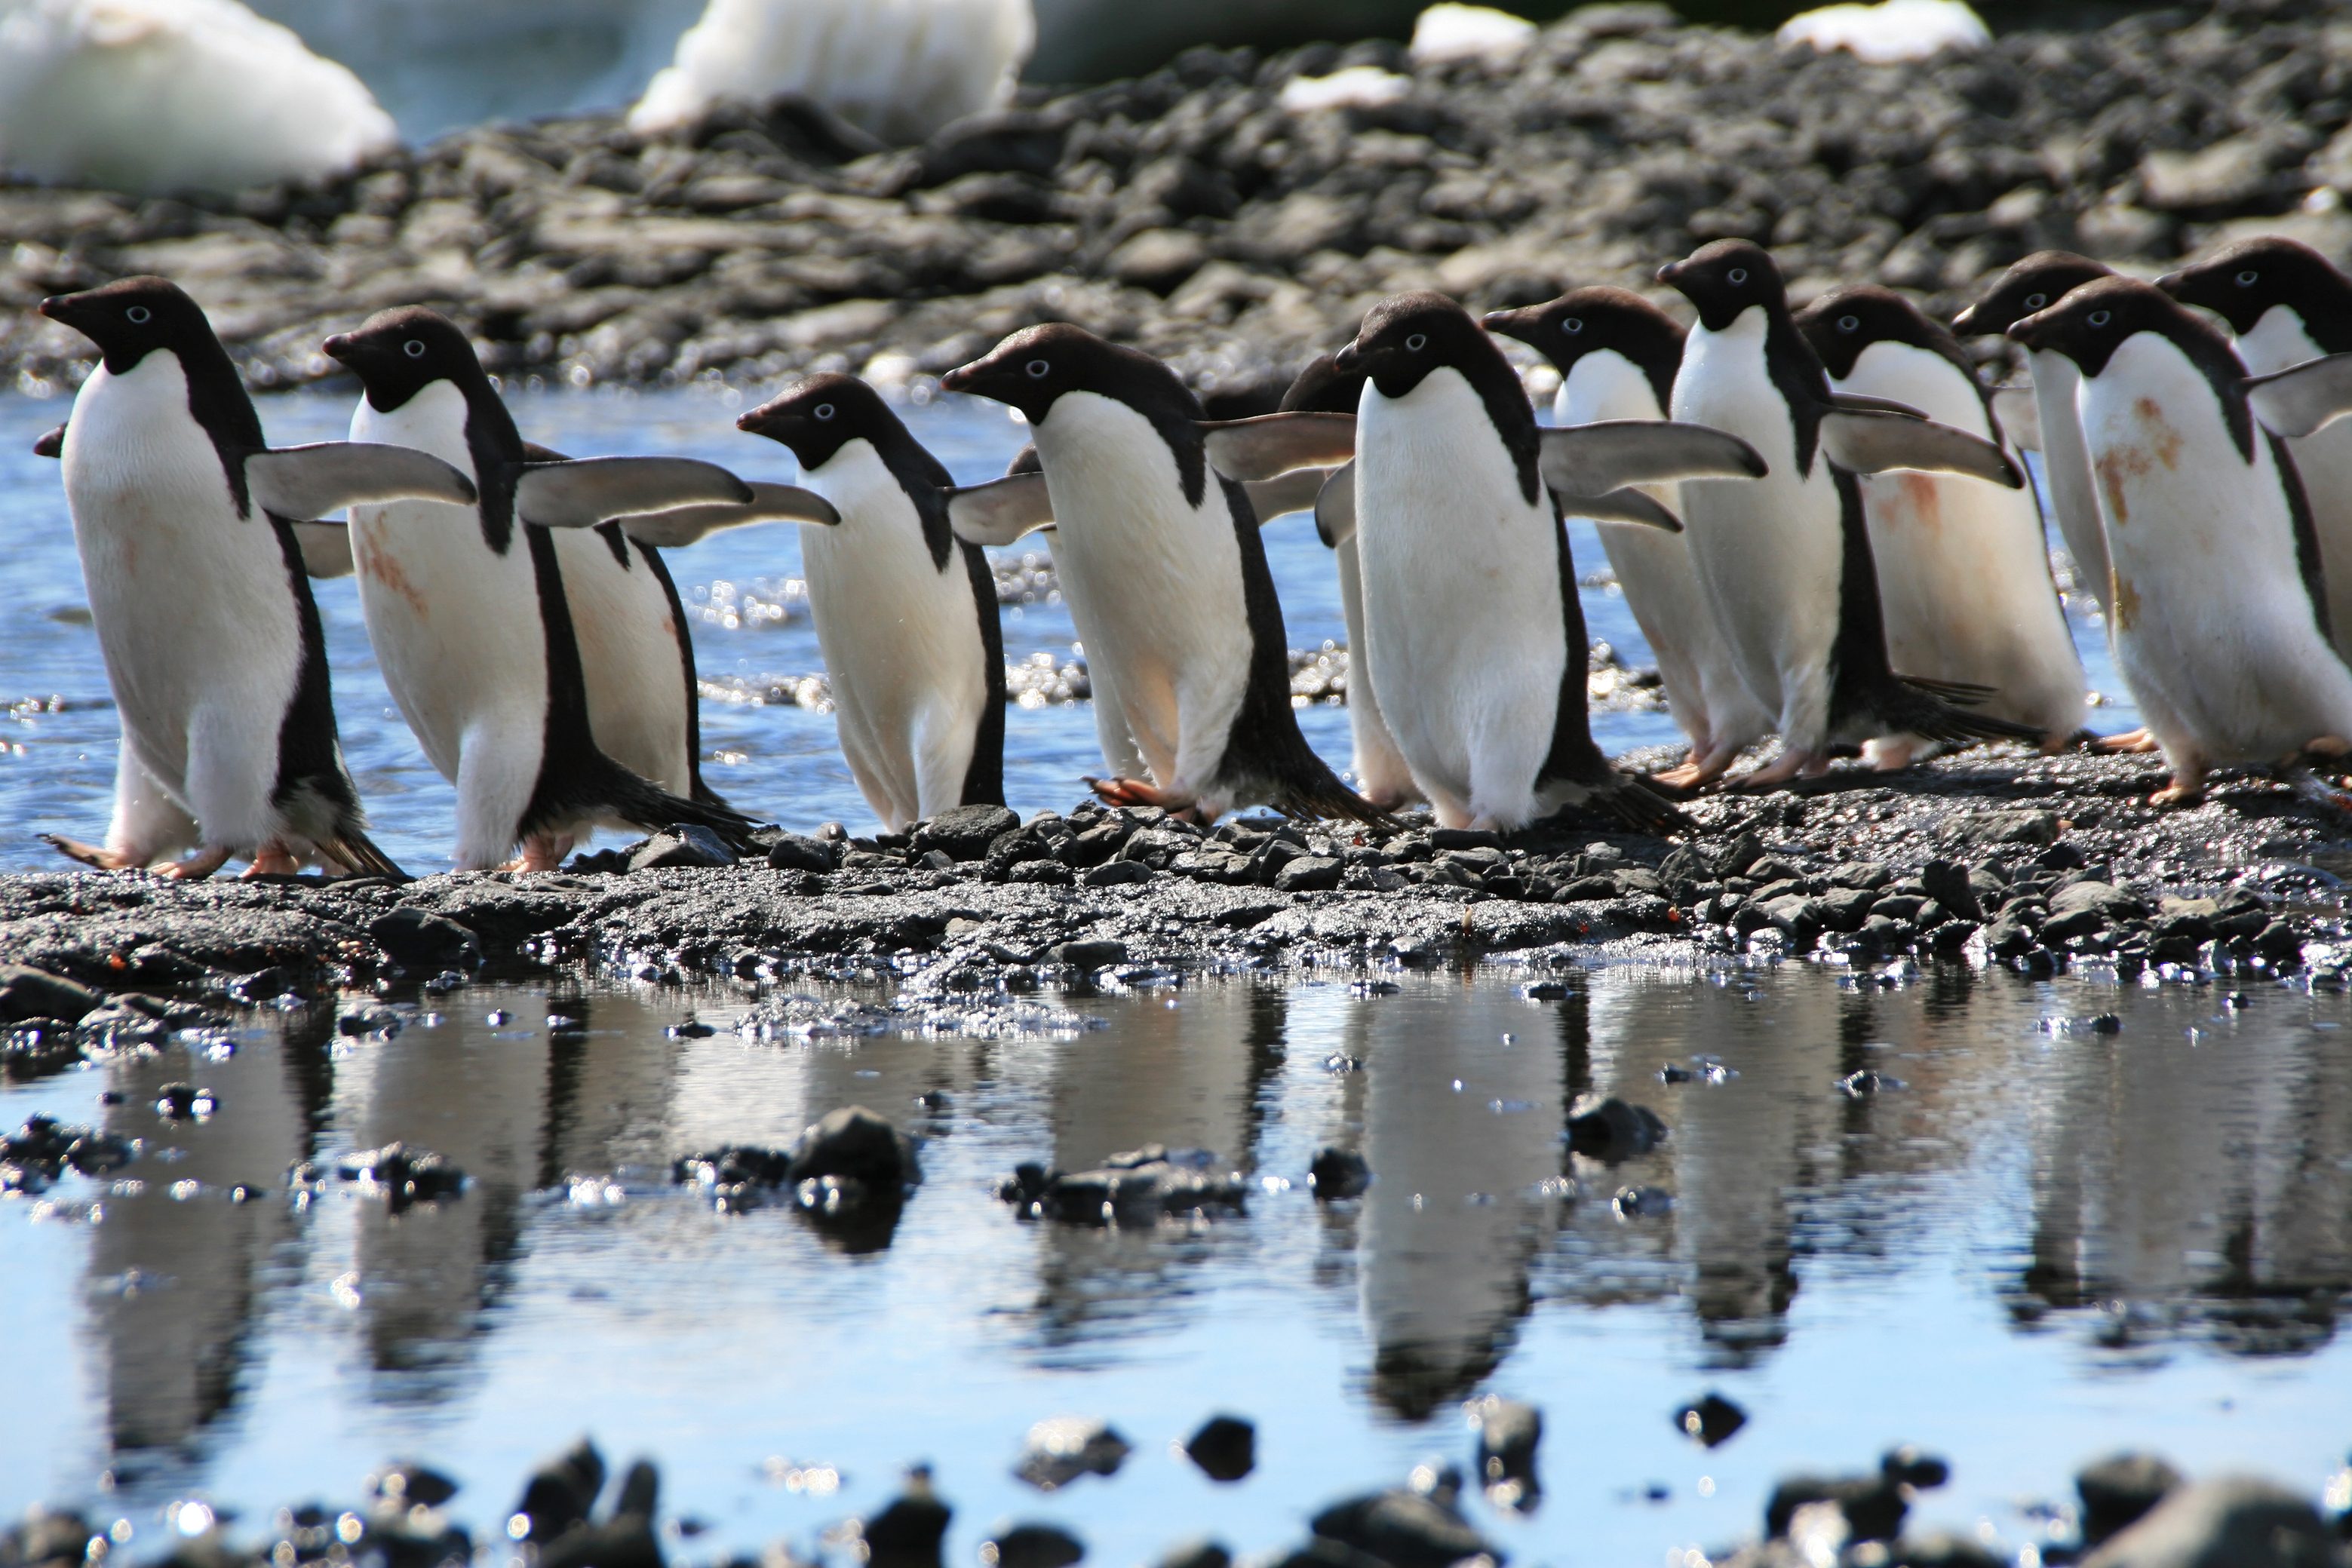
(190, 533)
(472, 621)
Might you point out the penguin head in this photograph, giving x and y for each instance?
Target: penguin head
(134, 316)
(1321, 388)
(2092, 322)
(2036, 283)
(1037, 364)
(2240, 283)
(398, 353)
(1843, 322)
(816, 416)
(1407, 336)
(1725, 278)
(1586, 320)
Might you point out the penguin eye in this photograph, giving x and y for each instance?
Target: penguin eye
(2246, 278)
(1037, 368)
(2101, 318)
(1572, 326)
(139, 315)
(1417, 342)
(1849, 323)
(2036, 301)
(1737, 274)
(414, 348)
(823, 410)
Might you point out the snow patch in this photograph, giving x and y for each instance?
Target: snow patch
(1449, 32)
(898, 69)
(1357, 87)
(152, 96)
(1889, 32)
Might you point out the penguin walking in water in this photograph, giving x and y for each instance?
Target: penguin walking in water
(2220, 618)
(1164, 556)
(2287, 305)
(1963, 570)
(468, 608)
(906, 613)
(1785, 564)
(1617, 355)
(185, 522)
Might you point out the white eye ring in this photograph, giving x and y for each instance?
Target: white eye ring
(1737, 274)
(2036, 301)
(2101, 318)
(139, 315)
(414, 348)
(2246, 278)
(823, 410)
(1849, 323)
(1037, 369)
(1417, 342)
(1572, 326)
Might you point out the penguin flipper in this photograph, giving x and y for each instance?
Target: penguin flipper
(1584, 460)
(2018, 416)
(1002, 510)
(50, 443)
(1294, 492)
(318, 481)
(1335, 507)
(2303, 398)
(1627, 506)
(682, 526)
(1874, 442)
(1272, 445)
(326, 548)
(588, 492)
(1862, 402)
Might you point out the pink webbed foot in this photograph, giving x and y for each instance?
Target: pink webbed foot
(89, 854)
(1140, 792)
(196, 867)
(272, 859)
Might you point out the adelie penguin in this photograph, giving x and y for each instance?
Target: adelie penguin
(1785, 564)
(186, 523)
(2288, 306)
(906, 613)
(2219, 620)
(1617, 355)
(1473, 637)
(1963, 570)
(470, 614)
(1164, 557)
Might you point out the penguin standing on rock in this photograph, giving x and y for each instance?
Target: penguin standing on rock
(1164, 556)
(1963, 570)
(186, 524)
(906, 613)
(1785, 564)
(1617, 354)
(2221, 619)
(468, 607)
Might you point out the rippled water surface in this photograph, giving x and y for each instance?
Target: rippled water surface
(777, 761)
(2048, 1243)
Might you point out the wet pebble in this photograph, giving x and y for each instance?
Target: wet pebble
(1136, 1187)
(1061, 1449)
(412, 1485)
(28, 993)
(1616, 1130)
(2118, 1490)
(1406, 1527)
(2233, 1519)
(1032, 1545)
(1865, 1081)
(1225, 1448)
(41, 1151)
(1508, 1433)
(1711, 1420)
(1338, 1173)
(185, 1101)
(419, 939)
(908, 1530)
(405, 1175)
(1642, 1203)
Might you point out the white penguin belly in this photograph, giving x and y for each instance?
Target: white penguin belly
(2324, 461)
(1705, 694)
(1963, 574)
(901, 640)
(191, 604)
(456, 625)
(1769, 552)
(1161, 581)
(1461, 585)
(2066, 470)
(2213, 625)
(637, 684)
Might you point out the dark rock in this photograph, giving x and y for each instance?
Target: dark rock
(1406, 1529)
(561, 1493)
(1508, 1433)
(1867, 875)
(1136, 1187)
(1642, 1203)
(182, 1101)
(2011, 934)
(41, 1151)
(1335, 1172)
(420, 939)
(2234, 1521)
(1444, 839)
(29, 993)
(1061, 1449)
(1225, 1448)
(1096, 954)
(1041, 873)
(685, 845)
(1308, 874)
(856, 1142)
(1865, 1082)
(1092, 846)
(907, 1531)
(1985, 829)
(1032, 1546)
(963, 833)
(1711, 1420)
(2118, 1490)
(403, 1175)
(1616, 1130)
(45, 1537)
(1911, 1467)
(795, 851)
(1200, 1553)
(1874, 1507)
(1116, 874)
(1942, 1549)
(412, 1485)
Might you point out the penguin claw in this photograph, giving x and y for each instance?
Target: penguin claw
(88, 855)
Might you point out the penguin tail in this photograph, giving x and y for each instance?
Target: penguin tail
(1941, 710)
(1641, 806)
(704, 795)
(1327, 797)
(648, 806)
(358, 853)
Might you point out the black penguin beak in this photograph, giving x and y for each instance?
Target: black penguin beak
(1670, 274)
(2028, 332)
(963, 378)
(1348, 359)
(2172, 283)
(337, 348)
(1965, 323)
(64, 308)
(1508, 324)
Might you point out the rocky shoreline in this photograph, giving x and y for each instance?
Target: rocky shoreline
(1990, 858)
(1209, 214)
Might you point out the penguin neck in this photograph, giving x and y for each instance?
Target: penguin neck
(1498, 394)
(2281, 338)
(447, 420)
(1605, 384)
(1762, 344)
(2158, 372)
(1089, 437)
(868, 490)
(214, 396)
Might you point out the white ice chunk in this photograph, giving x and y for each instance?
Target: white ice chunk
(1357, 87)
(1450, 31)
(1890, 31)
